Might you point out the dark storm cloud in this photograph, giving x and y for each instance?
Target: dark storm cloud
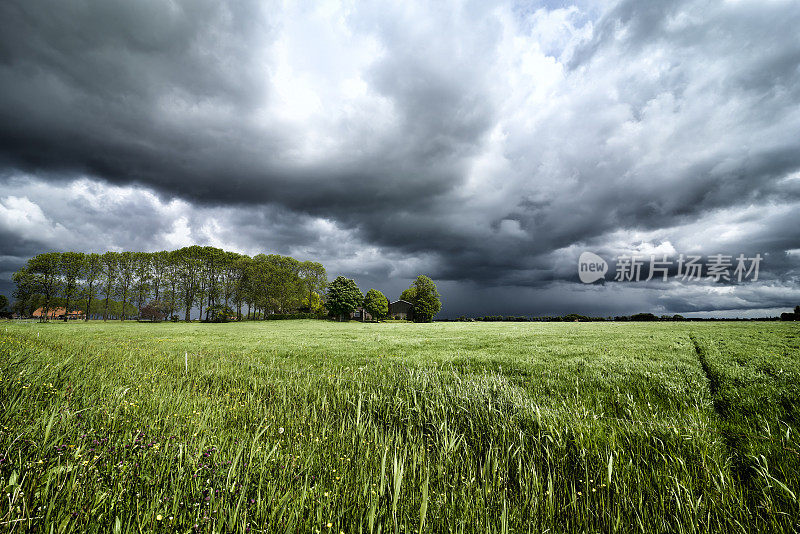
(485, 145)
(113, 90)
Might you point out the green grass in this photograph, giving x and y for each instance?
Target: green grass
(289, 426)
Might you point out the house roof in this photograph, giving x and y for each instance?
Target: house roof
(401, 300)
(54, 312)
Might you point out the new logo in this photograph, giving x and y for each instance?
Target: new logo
(591, 267)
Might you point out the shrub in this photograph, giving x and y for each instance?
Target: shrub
(219, 313)
(154, 312)
(286, 316)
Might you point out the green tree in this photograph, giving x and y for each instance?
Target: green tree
(212, 262)
(276, 284)
(343, 296)
(239, 279)
(172, 281)
(26, 300)
(110, 267)
(189, 264)
(127, 272)
(376, 304)
(313, 303)
(184, 278)
(91, 276)
(142, 263)
(159, 262)
(409, 294)
(261, 282)
(41, 276)
(3, 303)
(427, 301)
(289, 287)
(314, 279)
(71, 267)
(228, 274)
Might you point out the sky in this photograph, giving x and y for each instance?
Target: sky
(486, 145)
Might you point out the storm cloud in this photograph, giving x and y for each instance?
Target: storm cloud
(486, 145)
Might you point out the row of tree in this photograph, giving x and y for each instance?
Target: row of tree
(344, 296)
(789, 316)
(176, 281)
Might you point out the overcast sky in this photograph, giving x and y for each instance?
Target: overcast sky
(484, 144)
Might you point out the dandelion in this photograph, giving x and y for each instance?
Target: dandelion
(159, 518)
(329, 525)
(280, 430)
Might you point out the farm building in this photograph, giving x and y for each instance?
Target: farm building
(401, 309)
(58, 313)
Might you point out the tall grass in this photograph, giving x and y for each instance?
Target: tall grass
(755, 381)
(307, 426)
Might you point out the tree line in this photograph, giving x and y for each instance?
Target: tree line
(213, 280)
(344, 296)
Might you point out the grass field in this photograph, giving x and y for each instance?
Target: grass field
(308, 426)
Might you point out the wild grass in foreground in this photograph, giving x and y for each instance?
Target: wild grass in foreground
(308, 426)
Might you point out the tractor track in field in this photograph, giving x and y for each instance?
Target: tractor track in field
(721, 409)
(713, 380)
(733, 440)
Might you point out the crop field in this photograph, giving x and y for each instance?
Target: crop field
(312, 426)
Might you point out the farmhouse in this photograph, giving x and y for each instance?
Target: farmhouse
(58, 313)
(360, 314)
